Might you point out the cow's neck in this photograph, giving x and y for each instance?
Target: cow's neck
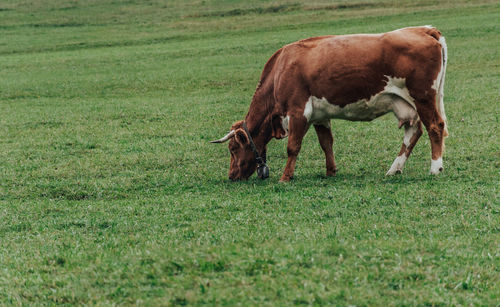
(259, 126)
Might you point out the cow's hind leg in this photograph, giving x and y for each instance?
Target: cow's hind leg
(325, 138)
(297, 129)
(413, 131)
(435, 126)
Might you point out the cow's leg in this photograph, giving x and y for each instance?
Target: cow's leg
(297, 127)
(325, 138)
(412, 134)
(436, 129)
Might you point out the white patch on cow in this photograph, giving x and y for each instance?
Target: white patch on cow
(435, 84)
(308, 109)
(399, 162)
(397, 86)
(284, 122)
(404, 112)
(397, 165)
(437, 166)
(409, 133)
(395, 97)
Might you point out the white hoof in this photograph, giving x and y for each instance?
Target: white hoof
(436, 166)
(392, 172)
(397, 165)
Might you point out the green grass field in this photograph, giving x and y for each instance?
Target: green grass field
(110, 192)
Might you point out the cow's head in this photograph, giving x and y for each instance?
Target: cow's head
(243, 159)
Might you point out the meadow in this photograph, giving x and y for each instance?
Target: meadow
(110, 192)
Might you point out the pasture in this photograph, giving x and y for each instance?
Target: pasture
(110, 192)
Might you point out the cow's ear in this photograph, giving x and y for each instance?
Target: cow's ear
(278, 130)
(241, 137)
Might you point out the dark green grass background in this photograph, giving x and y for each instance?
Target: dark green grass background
(111, 194)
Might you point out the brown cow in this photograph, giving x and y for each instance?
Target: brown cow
(354, 77)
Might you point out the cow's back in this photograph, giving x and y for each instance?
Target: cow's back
(347, 68)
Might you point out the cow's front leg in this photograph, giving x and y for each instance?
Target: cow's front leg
(297, 129)
(325, 138)
(412, 134)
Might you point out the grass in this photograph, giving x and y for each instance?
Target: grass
(111, 194)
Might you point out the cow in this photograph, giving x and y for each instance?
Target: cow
(352, 77)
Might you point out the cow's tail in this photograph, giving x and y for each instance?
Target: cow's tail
(440, 88)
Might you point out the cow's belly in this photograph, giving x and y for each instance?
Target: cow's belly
(319, 109)
(394, 98)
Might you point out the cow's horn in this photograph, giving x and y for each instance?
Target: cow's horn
(225, 138)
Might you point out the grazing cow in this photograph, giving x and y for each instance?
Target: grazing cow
(354, 77)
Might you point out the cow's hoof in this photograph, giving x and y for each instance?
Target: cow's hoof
(285, 179)
(436, 166)
(331, 173)
(436, 172)
(393, 172)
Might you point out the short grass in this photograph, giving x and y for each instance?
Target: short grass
(111, 194)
